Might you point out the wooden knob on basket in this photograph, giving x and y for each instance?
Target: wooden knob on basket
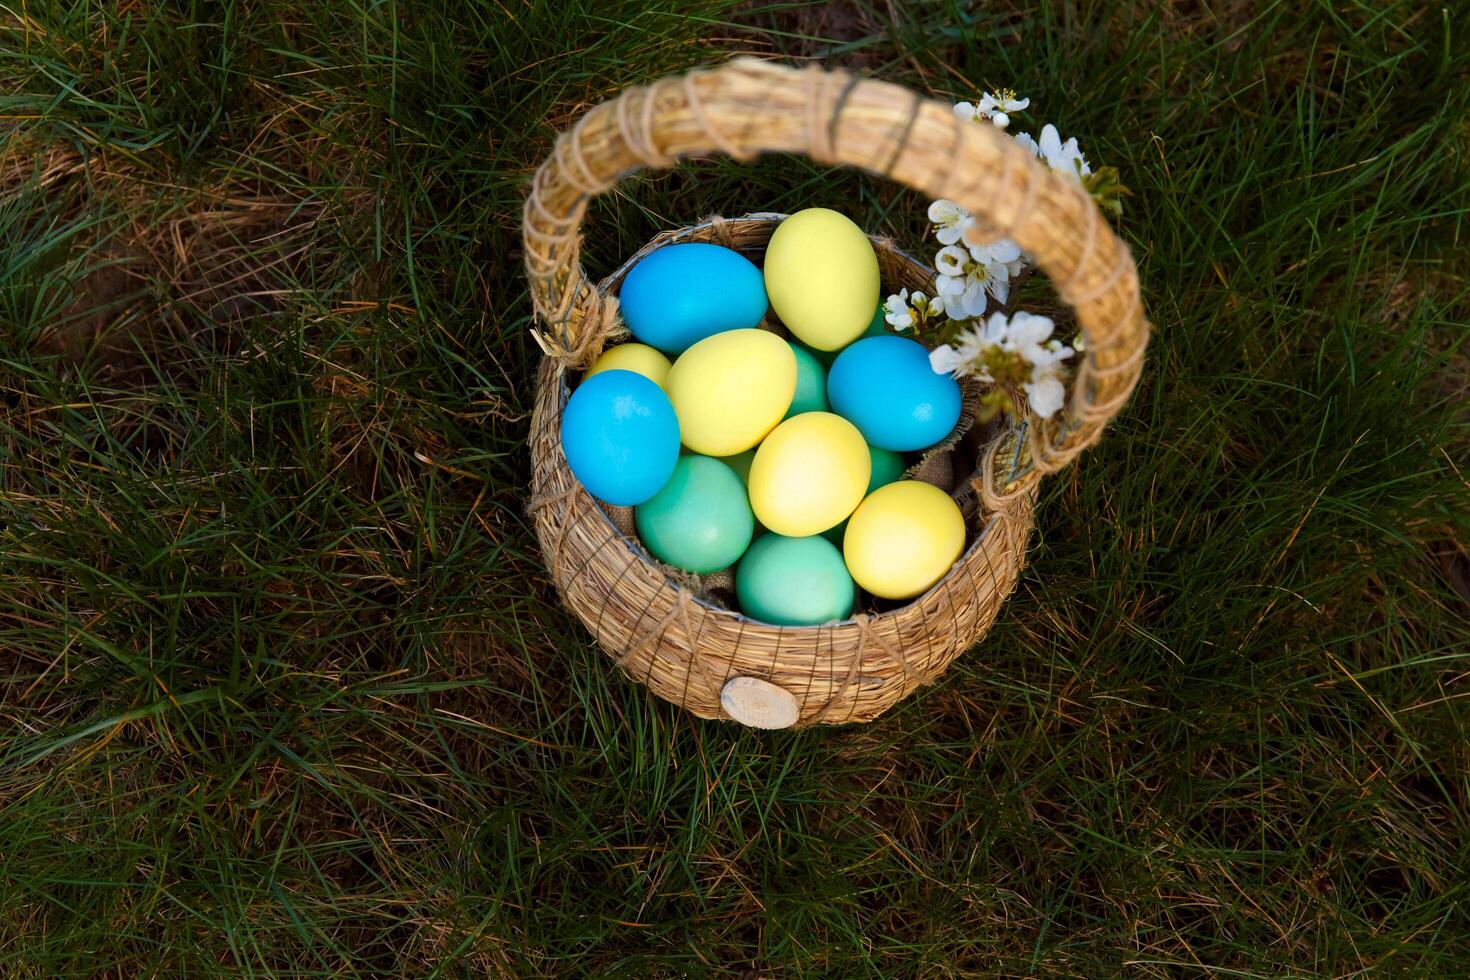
(758, 704)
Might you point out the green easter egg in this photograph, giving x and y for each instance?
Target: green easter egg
(794, 581)
(701, 520)
(811, 383)
(740, 462)
(878, 326)
(887, 467)
(824, 357)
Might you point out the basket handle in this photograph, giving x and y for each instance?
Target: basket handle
(745, 107)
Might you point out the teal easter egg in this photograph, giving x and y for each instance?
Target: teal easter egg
(885, 387)
(740, 463)
(887, 467)
(878, 326)
(620, 436)
(701, 520)
(794, 581)
(678, 295)
(811, 383)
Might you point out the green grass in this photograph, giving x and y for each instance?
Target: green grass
(285, 692)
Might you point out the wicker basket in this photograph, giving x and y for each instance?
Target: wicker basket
(667, 631)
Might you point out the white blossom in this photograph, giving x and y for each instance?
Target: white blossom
(992, 107)
(967, 276)
(950, 221)
(1025, 334)
(1003, 261)
(962, 356)
(897, 312)
(1046, 395)
(905, 311)
(1065, 157)
(944, 359)
(969, 112)
(1016, 351)
(961, 283)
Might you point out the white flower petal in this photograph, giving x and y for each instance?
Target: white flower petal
(973, 299)
(944, 211)
(951, 260)
(944, 360)
(1050, 143)
(1046, 396)
(996, 329)
(1004, 250)
(1030, 330)
(1076, 162)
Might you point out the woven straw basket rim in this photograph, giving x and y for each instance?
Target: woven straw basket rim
(714, 662)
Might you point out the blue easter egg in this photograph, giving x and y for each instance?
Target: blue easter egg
(680, 294)
(885, 387)
(620, 437)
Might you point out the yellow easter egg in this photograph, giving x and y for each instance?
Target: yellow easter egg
(902, 539)
(822, 278)
(638, 358)
(730, 389)
(809, 474)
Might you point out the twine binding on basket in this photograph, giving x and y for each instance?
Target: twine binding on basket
(683, 647)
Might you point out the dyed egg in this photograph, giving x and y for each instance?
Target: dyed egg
(731, 389)
(902, 539)
(811, 383)
(700, 521)
(620, 437)
(680, 294)
(740, 463)
(885, 387)
(822, 277)
(878, 326)
(638, 358)
(886, 467)
(809, 474)
(794, 582)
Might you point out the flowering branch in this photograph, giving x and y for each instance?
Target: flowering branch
(975, 272)
(1014, 352)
